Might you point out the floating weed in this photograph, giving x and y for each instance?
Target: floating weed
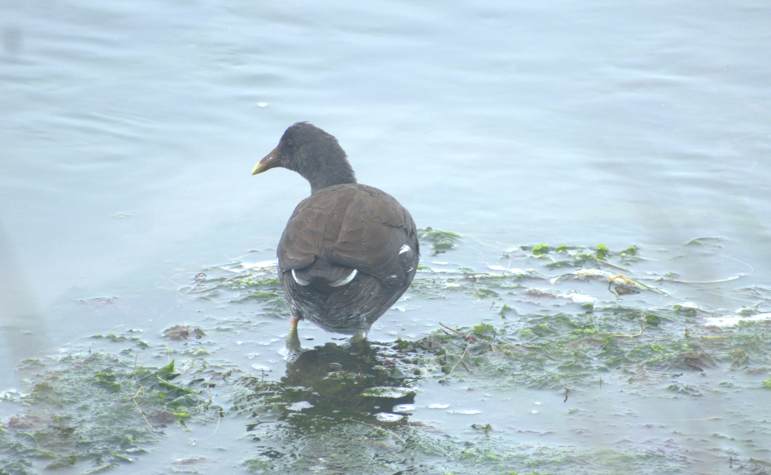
(419, 449)
(241, 282)
(578, 317)
(569, 350)
(183, 332)
(440, 241)
(594, 324)
(139, 343)
(629, 255)
(540, 249)
(96, 408)
(262, 288)
(578, 256)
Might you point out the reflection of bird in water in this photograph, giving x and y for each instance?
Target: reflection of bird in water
(359, 377)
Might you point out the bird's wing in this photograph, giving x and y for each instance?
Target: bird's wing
(353, 226)
(374, 231)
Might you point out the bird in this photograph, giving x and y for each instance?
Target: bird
(349, 251)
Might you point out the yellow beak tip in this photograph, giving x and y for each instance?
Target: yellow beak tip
(269, 161)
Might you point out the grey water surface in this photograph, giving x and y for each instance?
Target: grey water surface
(129, 130)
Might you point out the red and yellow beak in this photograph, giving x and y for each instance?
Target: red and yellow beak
(269, 161)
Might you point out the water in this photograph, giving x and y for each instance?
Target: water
(129, 132)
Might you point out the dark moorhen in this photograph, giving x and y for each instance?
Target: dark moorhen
(349, 251)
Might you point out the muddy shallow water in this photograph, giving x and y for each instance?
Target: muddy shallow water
(569, 368)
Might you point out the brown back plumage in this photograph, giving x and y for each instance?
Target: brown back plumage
(353, 226)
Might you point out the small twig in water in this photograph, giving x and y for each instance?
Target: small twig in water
(219, 418)
(467, 368)
(630, 336)
(616, 266)
(465, 352)
(134, 399)
(738, 361)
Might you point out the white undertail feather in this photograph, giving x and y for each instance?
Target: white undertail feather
(299, 280)
(346, 280)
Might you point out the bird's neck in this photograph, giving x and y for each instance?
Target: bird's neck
(334, 171)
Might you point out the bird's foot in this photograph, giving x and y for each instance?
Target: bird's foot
(358, 337)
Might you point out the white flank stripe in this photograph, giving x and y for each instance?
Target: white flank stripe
(346, 280)
(299, 280)
(404, 248)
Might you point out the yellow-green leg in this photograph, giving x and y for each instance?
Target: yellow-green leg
(293, 339)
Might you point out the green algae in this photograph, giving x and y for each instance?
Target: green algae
(565, 320)
(97, 409)
(439, 241)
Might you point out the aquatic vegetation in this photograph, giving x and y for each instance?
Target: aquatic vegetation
(582, 326)
(440, 241)
(97, 409)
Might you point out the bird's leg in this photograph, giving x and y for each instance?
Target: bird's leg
(360, 336)
(293, 339)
